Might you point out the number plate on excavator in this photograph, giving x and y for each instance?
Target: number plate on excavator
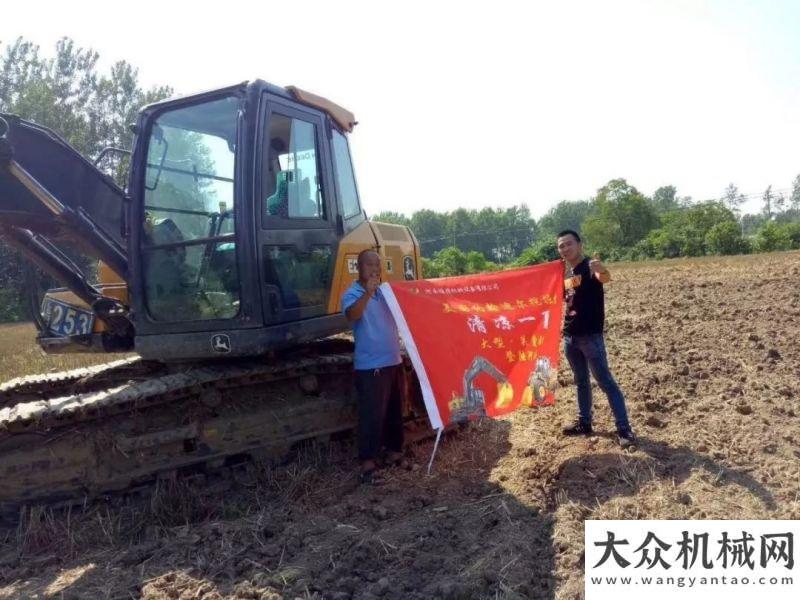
(63, 319)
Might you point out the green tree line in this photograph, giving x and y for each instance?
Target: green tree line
(619, 223)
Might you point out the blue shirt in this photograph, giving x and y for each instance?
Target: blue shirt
(377, 340)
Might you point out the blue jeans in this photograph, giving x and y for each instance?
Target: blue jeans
(585, 353)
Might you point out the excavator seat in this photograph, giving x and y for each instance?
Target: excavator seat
(278, 203)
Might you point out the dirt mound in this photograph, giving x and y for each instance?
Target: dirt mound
(706, 353)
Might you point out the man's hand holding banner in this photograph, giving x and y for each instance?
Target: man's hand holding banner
(482, 345)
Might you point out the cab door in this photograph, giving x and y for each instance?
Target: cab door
(191, 271)
(297, 239)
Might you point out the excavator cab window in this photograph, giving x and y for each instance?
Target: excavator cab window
(292, 175)
(345, 178)
(189, 248)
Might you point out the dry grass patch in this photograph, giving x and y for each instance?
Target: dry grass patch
(20, 355)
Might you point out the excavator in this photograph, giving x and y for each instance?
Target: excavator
(473, 403)
(219, 269)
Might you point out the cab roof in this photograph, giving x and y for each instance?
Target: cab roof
(345, 119)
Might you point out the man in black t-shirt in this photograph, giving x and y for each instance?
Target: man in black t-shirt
(584, 345)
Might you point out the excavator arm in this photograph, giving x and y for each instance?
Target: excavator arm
(50, 196)
(481, 365)
(473, 403)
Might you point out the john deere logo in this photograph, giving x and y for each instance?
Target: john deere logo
(408, 268)
(221, 343)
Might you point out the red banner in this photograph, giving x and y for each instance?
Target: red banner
(482, 345)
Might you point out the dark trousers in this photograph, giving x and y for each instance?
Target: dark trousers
(380, 411)
(588, 353)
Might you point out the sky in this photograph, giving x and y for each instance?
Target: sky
(491, 103)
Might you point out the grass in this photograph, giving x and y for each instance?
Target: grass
(20, 355)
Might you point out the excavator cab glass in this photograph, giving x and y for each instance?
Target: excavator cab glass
(292, 184)
(345, 179)
(189, 244)
(236, 223)
(292, 178)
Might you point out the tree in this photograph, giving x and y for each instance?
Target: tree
(665, 199)
(429, 227)
(704, 215)
(514, 229)
(66, 93)
(767, 199)
(459, 223)
(794, 199)
(643, 249)
(604, 234)
(790, 215)
(567, 214)
(12, 301)
(698, 220)
(733, 199)
(91, 110)
(622, 217)
(485, 235)
(779, 202)
(523, 230)
(499, 234)
(772, 237)
(684, 233)
(392, 217)
(726, 238)
(430, 269)
(665, 242)
(476, 262)
(751, 223)
(541, 251)
(450, 261)
(793, 231)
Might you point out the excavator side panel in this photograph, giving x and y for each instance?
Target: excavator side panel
(396, 245)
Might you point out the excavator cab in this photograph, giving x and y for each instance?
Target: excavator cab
(236, 235)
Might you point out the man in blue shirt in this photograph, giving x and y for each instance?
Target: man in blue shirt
(378, 367)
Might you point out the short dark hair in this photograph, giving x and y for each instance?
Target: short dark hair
(278, 145)
(364, 252)
(571, 232)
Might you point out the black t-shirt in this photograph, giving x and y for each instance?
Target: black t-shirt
(584, 307)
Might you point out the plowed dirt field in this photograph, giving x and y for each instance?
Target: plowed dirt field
(707, 354)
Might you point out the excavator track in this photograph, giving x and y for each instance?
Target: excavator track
(42, 385)
(86, 433)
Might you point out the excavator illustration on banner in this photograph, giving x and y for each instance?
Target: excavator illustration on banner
(472, 404)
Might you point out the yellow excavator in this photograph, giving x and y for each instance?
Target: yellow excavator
(220, 266)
